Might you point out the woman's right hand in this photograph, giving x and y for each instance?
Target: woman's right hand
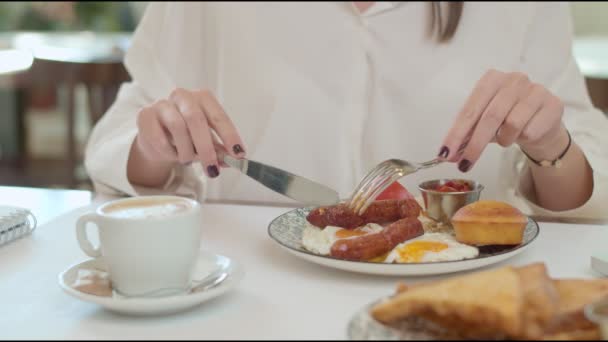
(182, 129)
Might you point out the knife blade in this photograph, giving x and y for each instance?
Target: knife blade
(285, 183)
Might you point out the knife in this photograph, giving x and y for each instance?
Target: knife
(285, 183)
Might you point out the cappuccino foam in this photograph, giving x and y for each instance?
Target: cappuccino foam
(147, 208)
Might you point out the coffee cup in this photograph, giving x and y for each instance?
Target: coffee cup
(149, 243)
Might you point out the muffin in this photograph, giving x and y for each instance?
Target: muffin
(489, 223)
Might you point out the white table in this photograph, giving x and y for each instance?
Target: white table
(281, 296)
(45, 204)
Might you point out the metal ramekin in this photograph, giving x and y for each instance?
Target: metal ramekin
(441, 206)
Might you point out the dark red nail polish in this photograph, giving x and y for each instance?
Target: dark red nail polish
(444, 152)
(464, 165)
(237, 149)
(212, 171)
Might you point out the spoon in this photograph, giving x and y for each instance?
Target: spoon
(207, 283)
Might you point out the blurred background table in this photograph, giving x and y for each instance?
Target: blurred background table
(591, 53)
(61, 62)
(14, 61)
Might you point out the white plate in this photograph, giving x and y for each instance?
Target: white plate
(287, 230)
(206, 264)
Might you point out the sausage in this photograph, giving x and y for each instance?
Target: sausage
(338, 215)
(380, 212)
(371, 246)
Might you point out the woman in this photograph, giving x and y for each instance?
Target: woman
(328, 90)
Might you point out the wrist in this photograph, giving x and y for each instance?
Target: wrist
(549, 149)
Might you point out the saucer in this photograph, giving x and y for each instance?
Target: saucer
(207, 263)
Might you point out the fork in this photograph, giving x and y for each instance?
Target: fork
(380, 177)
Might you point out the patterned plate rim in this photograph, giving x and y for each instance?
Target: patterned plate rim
(373, 329)
(304, 251)
(364, 314)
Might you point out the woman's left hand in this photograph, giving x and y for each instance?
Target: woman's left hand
(506, 108)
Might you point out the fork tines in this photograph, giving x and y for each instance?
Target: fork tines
(376, 181)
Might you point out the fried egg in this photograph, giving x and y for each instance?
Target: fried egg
(319, 241)
(431, 247)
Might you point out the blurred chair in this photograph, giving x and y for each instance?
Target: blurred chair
(12, 62)
(68, 59)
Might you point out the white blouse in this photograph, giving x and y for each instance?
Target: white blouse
(323, 91)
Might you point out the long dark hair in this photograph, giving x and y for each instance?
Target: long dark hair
(445, 31)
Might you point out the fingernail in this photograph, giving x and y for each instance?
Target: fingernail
(444, 152)
(464, 165)
(237, 149)
(212, 171)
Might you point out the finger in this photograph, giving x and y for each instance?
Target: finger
(520, 116)
(221, 123)
(153, 136)
(221, 151)
(484, 91)
(492, 118)
(157, 152)
(465, 143)
(173, 122)
(544, 121)
(198, 129)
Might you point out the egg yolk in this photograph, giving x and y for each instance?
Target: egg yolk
(380, 258)
(415, 251)
(347, 233)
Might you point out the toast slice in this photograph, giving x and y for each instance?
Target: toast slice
(574, 295)
(590, 334)
(541, 300)
(514, 303)
(479, 304)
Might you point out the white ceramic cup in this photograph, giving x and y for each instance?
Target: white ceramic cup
(148, 250)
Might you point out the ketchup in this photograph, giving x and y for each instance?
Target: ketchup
(453, 186)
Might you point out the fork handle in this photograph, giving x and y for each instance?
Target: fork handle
(430, 163)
